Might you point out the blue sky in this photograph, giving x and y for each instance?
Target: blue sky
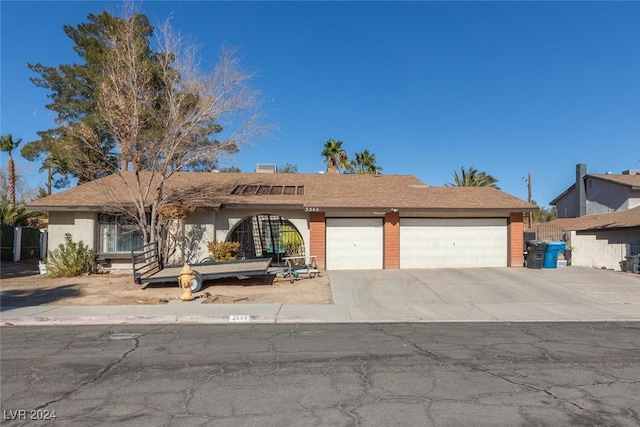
(509, 88)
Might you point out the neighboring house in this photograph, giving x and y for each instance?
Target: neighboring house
(600, 217)
(598, 194)
(346, 221)
(603, 240)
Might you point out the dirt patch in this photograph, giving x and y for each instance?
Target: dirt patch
(22, 284)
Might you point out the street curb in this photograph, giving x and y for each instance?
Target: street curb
(258, 319)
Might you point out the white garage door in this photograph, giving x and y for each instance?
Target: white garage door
(453, 242)
(354, 243)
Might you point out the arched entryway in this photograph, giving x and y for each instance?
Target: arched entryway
(267, 236)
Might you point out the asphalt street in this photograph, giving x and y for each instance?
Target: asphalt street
(356, 374)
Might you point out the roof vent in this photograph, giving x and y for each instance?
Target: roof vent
(265, 168)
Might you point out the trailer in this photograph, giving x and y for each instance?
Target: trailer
(148, 269)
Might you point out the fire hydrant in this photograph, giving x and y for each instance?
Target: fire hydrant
(185, 278)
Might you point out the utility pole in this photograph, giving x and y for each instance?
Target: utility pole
(529, 200)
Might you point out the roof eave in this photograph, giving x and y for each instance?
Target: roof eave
(65, 208)
(299, 206)
(606, 228)
(425, 209)
(564, 193)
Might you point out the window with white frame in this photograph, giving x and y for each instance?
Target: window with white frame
(118, 234)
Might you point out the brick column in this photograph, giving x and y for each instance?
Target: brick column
(516, 239)
(391, 240)
(317, 237)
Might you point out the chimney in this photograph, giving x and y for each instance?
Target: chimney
(581, 172)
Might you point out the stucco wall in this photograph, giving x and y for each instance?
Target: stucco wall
(199, 230)
(81, 226)
(603, 249)
(605, 197)
(567, 206)
(204, 227)
(225, 221)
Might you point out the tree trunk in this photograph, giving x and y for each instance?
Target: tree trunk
(332, 170)
(12, 181)
(49, 180)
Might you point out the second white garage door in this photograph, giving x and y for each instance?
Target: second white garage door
(354, 243)
(453, 242)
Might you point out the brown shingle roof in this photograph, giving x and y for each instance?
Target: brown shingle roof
(628, 180)
(624, 219)
(214, 190)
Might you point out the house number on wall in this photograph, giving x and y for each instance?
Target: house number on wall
(312, 209)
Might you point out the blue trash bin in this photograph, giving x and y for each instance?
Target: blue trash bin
(551, 254)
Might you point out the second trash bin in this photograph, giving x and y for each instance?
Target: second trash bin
(535, 253)
(633, 264)
(551, 254)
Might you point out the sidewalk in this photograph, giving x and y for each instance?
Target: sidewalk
(473, 295)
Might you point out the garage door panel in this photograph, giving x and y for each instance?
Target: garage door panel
(453, 242)
(354, 243)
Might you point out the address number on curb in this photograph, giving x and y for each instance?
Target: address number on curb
(239, 318)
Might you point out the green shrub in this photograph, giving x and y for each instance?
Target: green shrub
(70, 259)
(224, 251)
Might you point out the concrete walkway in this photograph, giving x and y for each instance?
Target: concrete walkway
(434, 295)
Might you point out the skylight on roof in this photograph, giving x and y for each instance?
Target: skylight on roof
(267, 190)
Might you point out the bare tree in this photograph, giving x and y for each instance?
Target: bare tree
(166, 115)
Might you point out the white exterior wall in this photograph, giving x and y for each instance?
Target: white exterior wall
(81, 226)
(601, 250)
(119, 266)
(225, 221)
(205, 227)
(200, 229)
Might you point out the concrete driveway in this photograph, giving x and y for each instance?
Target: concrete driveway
(488, 294)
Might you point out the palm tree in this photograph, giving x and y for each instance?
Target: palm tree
(368, 162)
(16, 215)
(7, 144)
(335, 157)
(365, 162)
(473, 178)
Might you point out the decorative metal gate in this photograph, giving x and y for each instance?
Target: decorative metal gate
(267, 236)
(545, 232)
